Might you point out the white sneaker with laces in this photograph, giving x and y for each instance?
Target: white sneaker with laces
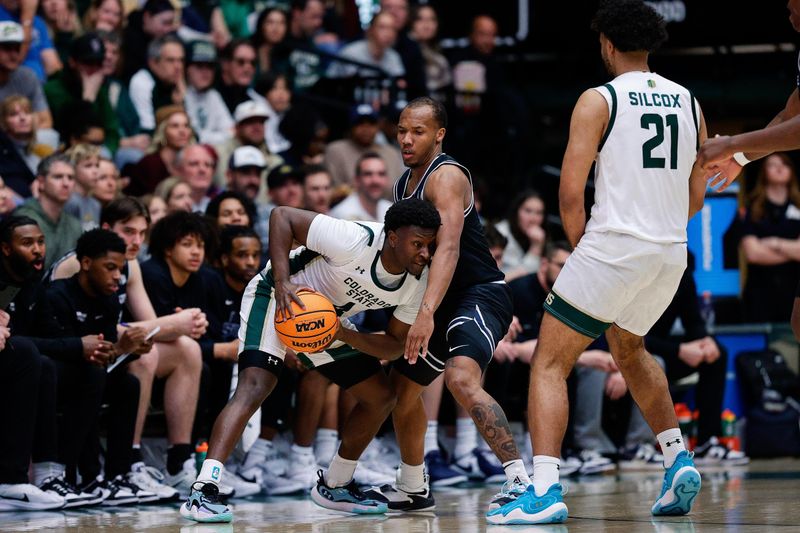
(27, 497)
(595, 463)
(183, 480)
(242, 488)
(152, 480)
(73, 496)
(380, 458)
(303, 468)
(270, 472)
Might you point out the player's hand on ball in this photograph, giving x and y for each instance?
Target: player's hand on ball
(285, 294)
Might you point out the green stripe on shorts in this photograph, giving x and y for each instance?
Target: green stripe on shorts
(258, 313)
(574, 318)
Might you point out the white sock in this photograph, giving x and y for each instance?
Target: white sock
(325, 445)
(340, 473)
(466, 437)
(411, 477)
(432, 436)
(302, 450)
(671, 442)
(483, 445)
(211, 472)
(515, 470)
(44, 470)
(545, 473)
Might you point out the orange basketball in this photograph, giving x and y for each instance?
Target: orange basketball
(311, 329)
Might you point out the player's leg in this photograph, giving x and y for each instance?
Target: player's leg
(650, 390)
(646, 380)
(363, 377)
(411, 492)
(258, 374)
(557, 350)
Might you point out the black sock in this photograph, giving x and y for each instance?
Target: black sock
(136, 455)
(176, 456)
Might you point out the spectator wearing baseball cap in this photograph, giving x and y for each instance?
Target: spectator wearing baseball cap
(245, 175)
(83, 82)
(342, 156)
(250, 118)
(17, 79)
(207, 111)
(42, 57)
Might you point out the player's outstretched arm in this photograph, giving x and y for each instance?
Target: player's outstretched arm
(780, 138)
(388, 345)
(717, 156)
(588, 123)
(447, 189)
(286, 225)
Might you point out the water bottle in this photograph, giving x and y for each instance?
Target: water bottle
(707, 311)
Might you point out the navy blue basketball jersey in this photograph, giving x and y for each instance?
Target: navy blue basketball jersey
(475, 263)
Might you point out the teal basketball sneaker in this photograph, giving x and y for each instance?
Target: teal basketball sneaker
(681, 486)
(348, 499)
(532, 509)
(203, 504)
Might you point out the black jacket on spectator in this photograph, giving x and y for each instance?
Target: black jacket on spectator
(166, 296)
(232, 95)
(13, 169)
(78, 314)
(32, 317)
(528, 295)
(224, 304)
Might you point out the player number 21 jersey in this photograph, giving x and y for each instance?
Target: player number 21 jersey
(645, 158)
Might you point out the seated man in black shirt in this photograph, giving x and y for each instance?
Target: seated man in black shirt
(239, 257)
(87, 304)
(173, 280)
(27, 401)
(175, 357)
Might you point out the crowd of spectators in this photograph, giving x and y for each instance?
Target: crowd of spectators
(142, 148)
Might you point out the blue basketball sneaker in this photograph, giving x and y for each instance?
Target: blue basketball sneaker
(203, 504)
(681, 486)
(510, 491)
(532, 509)
(348, 499)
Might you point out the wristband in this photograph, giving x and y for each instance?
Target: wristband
(740, 158)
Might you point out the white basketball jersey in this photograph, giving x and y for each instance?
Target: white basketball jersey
(645, 158)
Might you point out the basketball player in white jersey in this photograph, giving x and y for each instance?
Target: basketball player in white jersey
(357, 266)
(643, 132)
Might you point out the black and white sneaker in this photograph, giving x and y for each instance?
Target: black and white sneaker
(712, 453)
(27, 497)
(142, 495)
(399, 498)
(73, 496)
(110, 492)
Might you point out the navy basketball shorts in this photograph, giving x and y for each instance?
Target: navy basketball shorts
(469, 323)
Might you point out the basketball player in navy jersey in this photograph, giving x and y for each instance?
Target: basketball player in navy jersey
(465, 312)
(724, 157)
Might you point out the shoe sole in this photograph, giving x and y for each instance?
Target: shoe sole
(685, 487)
(220, 518)
(555, 514)
(346, 507)
(123, 501)
(10, 504)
